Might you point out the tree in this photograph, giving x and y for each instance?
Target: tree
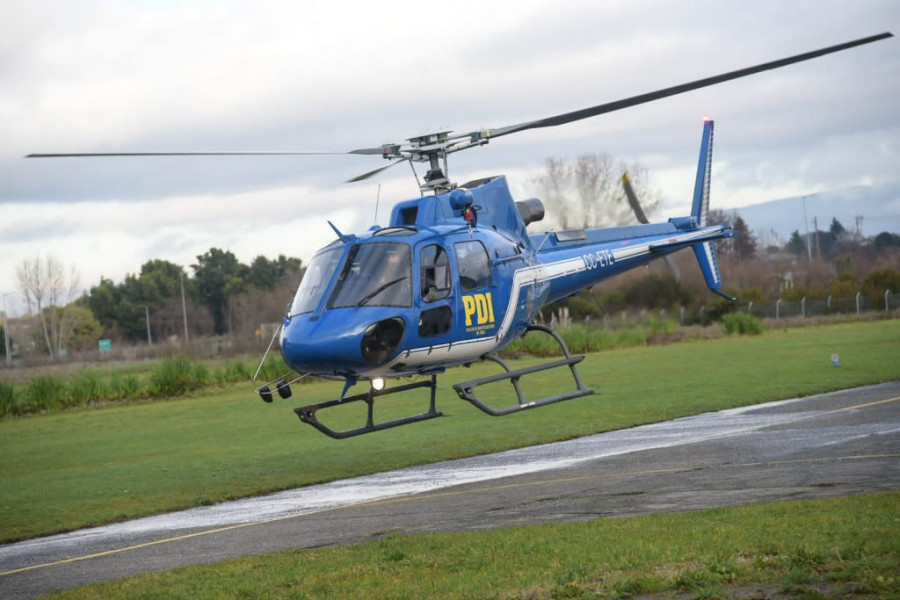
(877, 282)
(104, 301)
(743, 245)
(796, 245)
(836, 228)
(219, 276)
(46, 286)
(885, 239)
(587, 192)
(79, 330)
(160, 281)
(265, 274)
(3, 333)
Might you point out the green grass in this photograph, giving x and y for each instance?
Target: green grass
(812, 549)
(84, 467)
(67, 386)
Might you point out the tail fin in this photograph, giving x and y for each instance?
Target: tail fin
(705, 251)
(700, 208)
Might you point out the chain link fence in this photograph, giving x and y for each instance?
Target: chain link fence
(805, 307)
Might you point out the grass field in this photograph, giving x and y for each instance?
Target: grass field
(843, 547)
(69, 470)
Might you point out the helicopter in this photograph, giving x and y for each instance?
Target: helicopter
(456, 275)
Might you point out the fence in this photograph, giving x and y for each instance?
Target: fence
(805, 307)
(703, 315)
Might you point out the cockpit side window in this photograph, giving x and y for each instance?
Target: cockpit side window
(435, 273)
(315, 280)
(474, 265)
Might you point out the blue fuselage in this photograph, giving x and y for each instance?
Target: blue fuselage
(433, 291)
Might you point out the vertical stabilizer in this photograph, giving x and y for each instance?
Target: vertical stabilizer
(706, 251)
(700, 207)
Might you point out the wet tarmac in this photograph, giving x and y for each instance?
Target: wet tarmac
(833, 444)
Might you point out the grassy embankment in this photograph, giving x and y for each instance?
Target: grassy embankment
(839, 547)
(69, 470)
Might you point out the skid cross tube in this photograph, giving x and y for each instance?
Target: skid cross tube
(466, 390)
(307, 413)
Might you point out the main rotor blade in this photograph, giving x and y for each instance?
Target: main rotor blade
(238, 153)
(376, 171)
(600, 109)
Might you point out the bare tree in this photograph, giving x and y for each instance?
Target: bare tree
(552, 185)
(46, 286)
(586, 192)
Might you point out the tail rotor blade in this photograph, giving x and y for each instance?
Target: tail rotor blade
(642, 217)
(632, 199)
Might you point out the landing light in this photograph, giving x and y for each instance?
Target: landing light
(378, 384)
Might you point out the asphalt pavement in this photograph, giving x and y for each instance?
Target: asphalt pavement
(840, 443)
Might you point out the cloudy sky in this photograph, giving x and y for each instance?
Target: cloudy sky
(164, 75)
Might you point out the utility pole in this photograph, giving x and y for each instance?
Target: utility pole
(806, 225)
(816, 227)
(147, 315)
(183, 307)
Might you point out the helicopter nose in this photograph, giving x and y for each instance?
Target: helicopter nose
(337, 345)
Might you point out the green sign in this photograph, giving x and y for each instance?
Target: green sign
(105, 345)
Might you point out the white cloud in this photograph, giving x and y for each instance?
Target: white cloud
(335, 75)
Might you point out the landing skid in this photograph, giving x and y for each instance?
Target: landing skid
(307, 413)
(466, 390)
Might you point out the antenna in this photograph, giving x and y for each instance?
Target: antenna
(377, 198)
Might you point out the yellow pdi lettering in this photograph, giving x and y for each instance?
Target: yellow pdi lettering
(469, 307)
(480, 306)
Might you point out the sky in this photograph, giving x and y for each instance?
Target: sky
(144, 75)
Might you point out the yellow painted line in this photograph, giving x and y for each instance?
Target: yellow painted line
(501, 487)
(875, 403)
(127, 548)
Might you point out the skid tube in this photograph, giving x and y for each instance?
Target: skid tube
(466, 390)
(307, 413)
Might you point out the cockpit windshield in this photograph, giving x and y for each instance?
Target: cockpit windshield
(374, 274)
(315, 280)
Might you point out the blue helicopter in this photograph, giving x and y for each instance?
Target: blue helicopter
(454, 278)
(456, 275)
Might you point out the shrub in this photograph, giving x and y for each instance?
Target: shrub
(43, 392)
(7, 398)
(273, 368)
(123, 387)
(631, 337)
(131, 387)
(176, 376)
(84, 388)
(742, 323)
(659, 326)
(237, 370)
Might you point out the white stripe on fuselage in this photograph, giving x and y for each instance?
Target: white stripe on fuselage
(472, 349)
